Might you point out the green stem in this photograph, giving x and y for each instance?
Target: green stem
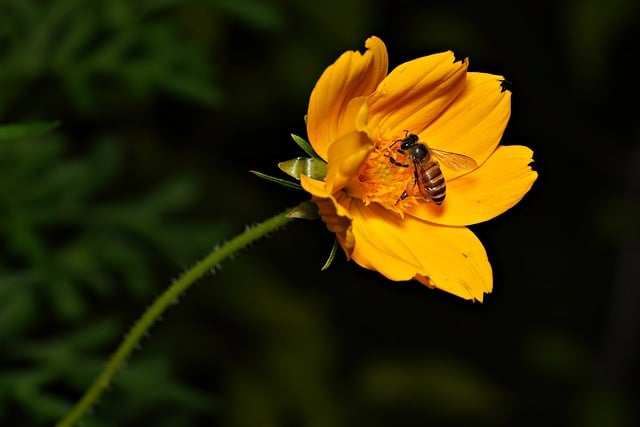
(160, 305)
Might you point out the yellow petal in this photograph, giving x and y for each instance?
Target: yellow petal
(319, 189)
(314, 186)
(474, 122)
(351, 76)
(486, 192)
(334, 211)
(346, 154)
(452, 258)
(414, 94)
(340, 225)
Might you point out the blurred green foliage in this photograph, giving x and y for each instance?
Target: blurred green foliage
(126, 133)
(66, 245)
(91, 48)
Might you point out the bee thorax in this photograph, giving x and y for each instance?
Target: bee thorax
(419, 152)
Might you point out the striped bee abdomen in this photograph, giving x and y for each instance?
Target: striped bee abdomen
(434, 183)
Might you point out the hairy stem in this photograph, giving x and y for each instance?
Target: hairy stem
(159, 306)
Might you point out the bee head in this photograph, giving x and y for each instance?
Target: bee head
(409, 141)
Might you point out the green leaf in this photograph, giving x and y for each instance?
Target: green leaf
(311, 167)
(20, 131)
(279, 181)
(332, 255)
(306, 147)
(307, 210)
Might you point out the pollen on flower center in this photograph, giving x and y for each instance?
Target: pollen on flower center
(382, 178)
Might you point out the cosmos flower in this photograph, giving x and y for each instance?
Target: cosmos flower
(358, 118)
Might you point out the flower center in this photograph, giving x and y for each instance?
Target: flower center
(383, 178)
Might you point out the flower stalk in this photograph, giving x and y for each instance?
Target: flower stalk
(167, 298)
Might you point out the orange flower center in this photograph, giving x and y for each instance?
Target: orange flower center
(383, 178)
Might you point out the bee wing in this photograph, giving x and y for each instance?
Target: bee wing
(454, 160)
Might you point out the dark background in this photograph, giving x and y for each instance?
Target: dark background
(164, 107)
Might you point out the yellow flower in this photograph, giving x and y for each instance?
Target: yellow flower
(358, 115)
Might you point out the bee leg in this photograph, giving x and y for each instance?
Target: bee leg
(403, 196)
(396, 163)
(409, 190)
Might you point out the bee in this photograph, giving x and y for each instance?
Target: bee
(427, 175)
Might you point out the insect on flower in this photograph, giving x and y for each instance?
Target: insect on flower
(427, 175)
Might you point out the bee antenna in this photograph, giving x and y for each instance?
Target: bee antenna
(406, 134)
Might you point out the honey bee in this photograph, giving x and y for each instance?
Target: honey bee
(427, 175)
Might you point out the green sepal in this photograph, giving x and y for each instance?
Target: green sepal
(311, 167)
(306, 147)
(25, 130)
(283, 182)
(306, 210)
(332, 255)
